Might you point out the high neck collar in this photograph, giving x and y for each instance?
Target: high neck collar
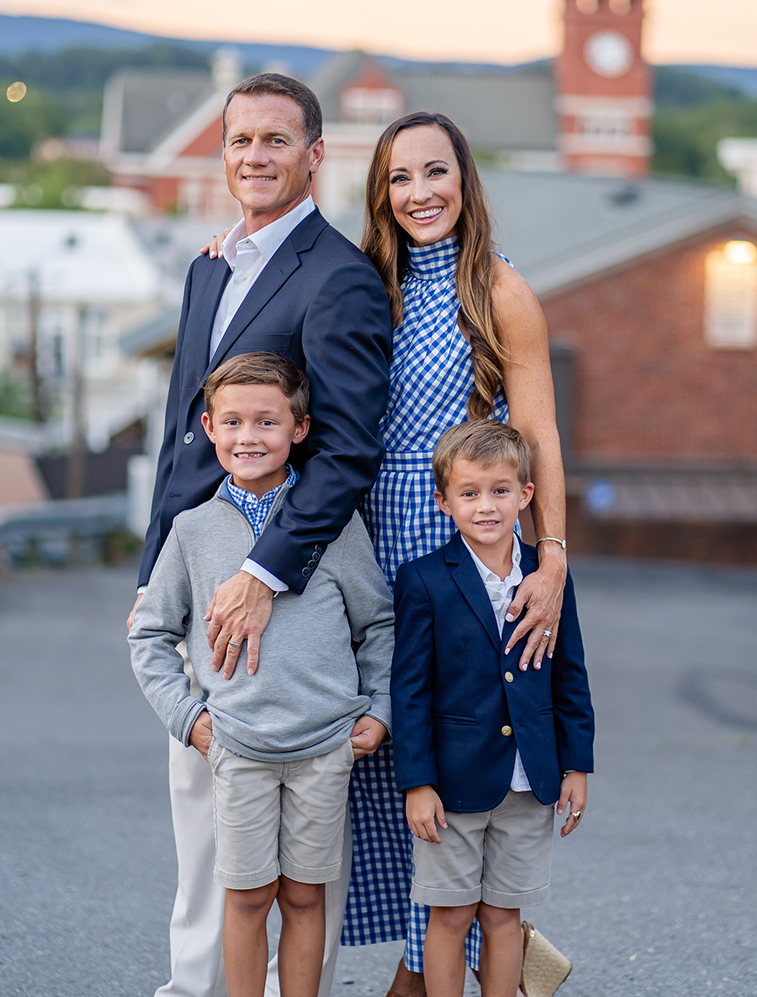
(436, 261)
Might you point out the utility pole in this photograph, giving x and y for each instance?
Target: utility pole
(38, 406)
(78, 452)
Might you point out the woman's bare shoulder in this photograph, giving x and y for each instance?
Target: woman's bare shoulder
(513, 299)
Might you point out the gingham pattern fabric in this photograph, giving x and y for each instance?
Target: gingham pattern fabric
(256, 509)
(431, 378)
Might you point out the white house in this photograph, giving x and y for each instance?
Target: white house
(71, 283)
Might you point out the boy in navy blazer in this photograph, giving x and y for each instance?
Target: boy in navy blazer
(483, 750)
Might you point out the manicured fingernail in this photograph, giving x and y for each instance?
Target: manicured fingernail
(509, 617)
(507, 650)
(537, 666)
(212, 255)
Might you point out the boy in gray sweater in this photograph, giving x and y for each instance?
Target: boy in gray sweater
(279, 741)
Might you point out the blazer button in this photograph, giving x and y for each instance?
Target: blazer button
(316, 556)
(318, 549)
(508, 676)
(189, 437)
(311, 564)
(305, 572)
(507, 731)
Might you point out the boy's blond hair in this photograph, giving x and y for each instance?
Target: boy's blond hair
(481, 441)
(262, 368)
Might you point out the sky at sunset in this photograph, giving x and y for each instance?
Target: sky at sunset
(495, 30)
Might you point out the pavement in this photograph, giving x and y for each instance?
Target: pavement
(654, 894)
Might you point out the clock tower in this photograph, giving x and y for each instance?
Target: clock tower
(604, 89)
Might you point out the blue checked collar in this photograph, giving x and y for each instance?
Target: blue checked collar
(256, 509)
(435, 262)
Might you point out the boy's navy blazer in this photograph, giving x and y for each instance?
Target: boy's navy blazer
(460, 706)
(320, 302)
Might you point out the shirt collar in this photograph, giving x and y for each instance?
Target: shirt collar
(267, 239)
(242, 497)
(487, 575)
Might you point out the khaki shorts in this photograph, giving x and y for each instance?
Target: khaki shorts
(502, 856)
(279, 818)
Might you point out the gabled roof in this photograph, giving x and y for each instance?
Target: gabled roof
(562, 228)
(78, 256)
(143, 107)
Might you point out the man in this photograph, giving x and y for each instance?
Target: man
(288, 283)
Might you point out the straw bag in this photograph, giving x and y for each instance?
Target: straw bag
(544, 967)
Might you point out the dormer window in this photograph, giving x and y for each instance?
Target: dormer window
(371, 105)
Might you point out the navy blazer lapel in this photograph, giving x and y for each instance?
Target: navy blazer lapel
(470, 583)
(274, 274)
(216, 279)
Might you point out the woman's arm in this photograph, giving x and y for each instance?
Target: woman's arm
(531, 401)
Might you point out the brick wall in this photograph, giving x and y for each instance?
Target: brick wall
(646, 385)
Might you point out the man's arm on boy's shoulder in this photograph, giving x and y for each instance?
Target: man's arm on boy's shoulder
(346, 341)
(412, 682)
(159, 627)
(571, 699)
(368, 603)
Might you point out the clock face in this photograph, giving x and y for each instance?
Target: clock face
(608, 53)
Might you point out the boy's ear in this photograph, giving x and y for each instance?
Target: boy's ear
(442, 502)
(526, 495)
(301, 430)
(207, 425)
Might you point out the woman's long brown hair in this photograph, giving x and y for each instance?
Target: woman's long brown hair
(385, 244)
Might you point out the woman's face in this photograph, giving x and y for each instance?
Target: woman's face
(425, 185)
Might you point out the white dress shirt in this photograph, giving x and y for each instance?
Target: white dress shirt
(501, 595)
(247, 255)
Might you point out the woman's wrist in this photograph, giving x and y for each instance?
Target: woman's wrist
(553, 559)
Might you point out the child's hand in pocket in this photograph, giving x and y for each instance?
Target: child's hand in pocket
(366, 736)
(202, 734)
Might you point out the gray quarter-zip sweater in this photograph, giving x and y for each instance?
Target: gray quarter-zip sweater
(310, 685)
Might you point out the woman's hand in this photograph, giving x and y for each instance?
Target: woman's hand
(530, 398)
(541, 593)
(572, 799)
(213, 248)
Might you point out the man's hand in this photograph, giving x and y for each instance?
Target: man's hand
(130, 618)
(239, 611)
(202, 734)
(572, 798)
(366, 736)
(542, 594)
(424, 808)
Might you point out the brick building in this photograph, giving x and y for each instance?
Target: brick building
(650, 292)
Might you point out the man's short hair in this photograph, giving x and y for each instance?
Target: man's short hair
(481, 441)
(262, 368)
(283, 86)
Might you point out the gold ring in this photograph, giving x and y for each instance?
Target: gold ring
(576, 815)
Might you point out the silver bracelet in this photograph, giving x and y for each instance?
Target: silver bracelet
(556, 540)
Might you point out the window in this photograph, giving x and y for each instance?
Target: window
(371, 105)
(730, 296)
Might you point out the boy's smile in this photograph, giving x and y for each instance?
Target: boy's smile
(253, 429)
(484, 501)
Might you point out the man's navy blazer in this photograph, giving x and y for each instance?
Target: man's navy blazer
(460, 706)
(320, 302)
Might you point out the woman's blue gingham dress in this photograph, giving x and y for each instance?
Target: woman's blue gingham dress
(431, 380)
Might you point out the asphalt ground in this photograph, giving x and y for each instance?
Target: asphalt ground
(655, 894)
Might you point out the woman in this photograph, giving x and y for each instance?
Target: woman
(470, 341)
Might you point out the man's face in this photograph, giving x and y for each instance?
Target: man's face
(267, 161)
